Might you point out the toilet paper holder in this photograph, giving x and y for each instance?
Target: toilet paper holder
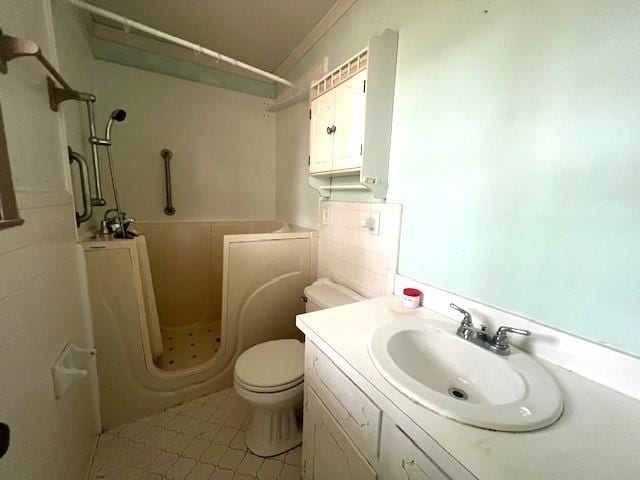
(70, 367)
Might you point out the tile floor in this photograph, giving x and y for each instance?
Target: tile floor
(199, 440)
(188, 346)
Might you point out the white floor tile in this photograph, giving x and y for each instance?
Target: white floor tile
(236, 419)
(181, 469)
(178, 423)
(220, 415)
(202, 440)
(205, 412)
(290, 472)
(202, 471)
(148, 434)
(294, 457)
(193, 426)
(225, 436)
(250, 464)
(196, 448)
(209, 430)
(213, 454)
(131, 430)
(179, 443)
(109, 470)
(162, 439)
(145, 457)
(270, 469)
(231, 459)
(127, 456)
(130, 473)
(163, 463)
(150, 476)
(238, 442)
(190, 409)
(221, 474)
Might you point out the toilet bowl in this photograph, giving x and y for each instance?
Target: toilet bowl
(270, 376)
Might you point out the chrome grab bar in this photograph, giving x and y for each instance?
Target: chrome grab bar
(87, 206)
(167, 155)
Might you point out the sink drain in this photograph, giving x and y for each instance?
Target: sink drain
(458, 393)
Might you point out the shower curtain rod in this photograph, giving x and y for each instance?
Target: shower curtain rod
(198, 49)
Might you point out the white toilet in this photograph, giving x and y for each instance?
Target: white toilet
(270, 377)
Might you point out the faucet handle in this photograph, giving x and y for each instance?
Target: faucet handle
(467, 316)
(502, 331)
(501, 340)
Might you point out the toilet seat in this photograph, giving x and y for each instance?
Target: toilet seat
(271, 367)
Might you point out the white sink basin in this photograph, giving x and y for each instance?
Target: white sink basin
(463, 381)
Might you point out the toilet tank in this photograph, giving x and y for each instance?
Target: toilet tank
(324, 293)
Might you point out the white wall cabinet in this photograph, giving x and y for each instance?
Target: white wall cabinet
(321, 140)
(351, 110)
(337, 127)
(348, 436)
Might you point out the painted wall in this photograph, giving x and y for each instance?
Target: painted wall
(296, 201)
(41, 306)
(515, 152)
(223, 145)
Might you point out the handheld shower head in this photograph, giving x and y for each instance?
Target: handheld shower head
(118, 115)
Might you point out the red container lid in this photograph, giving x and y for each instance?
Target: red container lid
(412, 292)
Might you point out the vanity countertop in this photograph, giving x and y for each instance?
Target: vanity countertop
(597, 436)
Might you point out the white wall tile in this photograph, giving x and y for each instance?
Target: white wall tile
(349, 254)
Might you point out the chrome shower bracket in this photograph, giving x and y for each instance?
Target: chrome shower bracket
(58, 95)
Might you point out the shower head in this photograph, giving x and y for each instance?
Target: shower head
(118, 115)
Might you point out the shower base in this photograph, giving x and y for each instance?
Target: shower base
(186, 347)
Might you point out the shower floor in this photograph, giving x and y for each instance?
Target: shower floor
(188, 346)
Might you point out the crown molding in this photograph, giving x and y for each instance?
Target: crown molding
(334, 14)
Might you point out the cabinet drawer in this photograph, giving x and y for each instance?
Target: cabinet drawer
(355, 412)
(403, 460)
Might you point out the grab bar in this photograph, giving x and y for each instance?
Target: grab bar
(85, 187)
(167, 155)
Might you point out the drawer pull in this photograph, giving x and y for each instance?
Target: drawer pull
(413, 471)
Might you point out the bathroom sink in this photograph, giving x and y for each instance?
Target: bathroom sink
(465, 382)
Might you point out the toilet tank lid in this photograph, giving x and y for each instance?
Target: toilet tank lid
(326, 293)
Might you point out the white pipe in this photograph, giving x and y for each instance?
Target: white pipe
(129, 24)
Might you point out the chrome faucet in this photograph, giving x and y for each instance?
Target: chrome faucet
(111, 223)
(498, 343)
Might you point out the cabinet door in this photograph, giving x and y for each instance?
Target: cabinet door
(403, 460)
(328, 454)
(320, 140)
(349, 121)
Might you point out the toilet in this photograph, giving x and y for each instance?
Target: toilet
(270, 377)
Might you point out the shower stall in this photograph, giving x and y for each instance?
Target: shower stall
(173, 308)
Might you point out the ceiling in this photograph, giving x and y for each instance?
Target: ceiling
(259, 32)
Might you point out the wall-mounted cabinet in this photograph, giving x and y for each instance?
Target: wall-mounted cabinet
(351, 111)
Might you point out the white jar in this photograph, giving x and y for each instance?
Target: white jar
(411, 297)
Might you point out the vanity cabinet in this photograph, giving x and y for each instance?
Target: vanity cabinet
(401, 458)
(348, 436)
(328, 452)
